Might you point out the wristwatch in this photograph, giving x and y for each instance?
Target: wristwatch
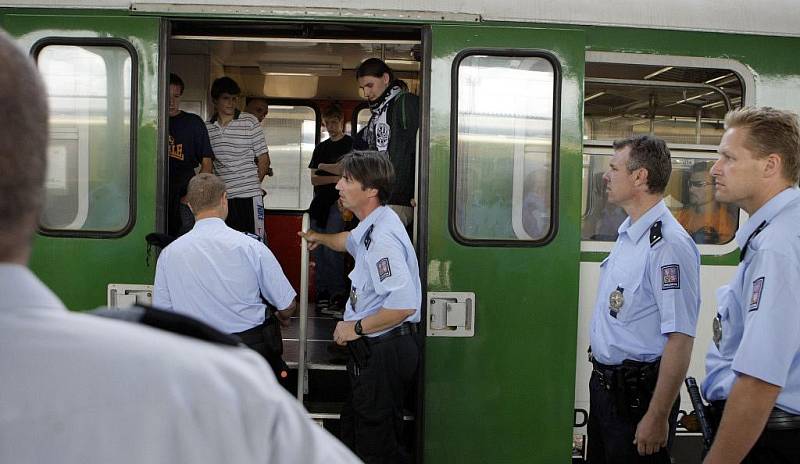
(358, 329)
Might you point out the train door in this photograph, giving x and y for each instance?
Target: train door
(502, 241)
(100, 74)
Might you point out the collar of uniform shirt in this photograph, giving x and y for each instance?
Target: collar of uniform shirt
(363, 226)
(765, 213)
(208, 222)
(638, 229)
(23, 291)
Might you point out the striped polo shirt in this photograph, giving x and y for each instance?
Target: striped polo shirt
(235, 148)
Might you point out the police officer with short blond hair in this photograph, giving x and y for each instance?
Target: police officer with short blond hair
(645, 313)
(380, 320)
(753, 365)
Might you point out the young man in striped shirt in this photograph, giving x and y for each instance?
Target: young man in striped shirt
(241, 157)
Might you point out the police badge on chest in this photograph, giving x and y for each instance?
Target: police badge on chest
(353, 297)
(615, 301)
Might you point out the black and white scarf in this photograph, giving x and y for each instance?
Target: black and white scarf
(378, 129)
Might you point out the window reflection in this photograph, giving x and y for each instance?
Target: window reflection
(504, 147)
(689, 195)
(88, 178)
(291, 137)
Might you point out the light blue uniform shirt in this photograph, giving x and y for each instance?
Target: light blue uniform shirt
(759, 311)
(660, 286)
(386, 273)
(217, 275)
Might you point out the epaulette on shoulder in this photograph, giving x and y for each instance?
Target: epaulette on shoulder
(169, 322)
(655, 233)
(253, 236)
(368, 236)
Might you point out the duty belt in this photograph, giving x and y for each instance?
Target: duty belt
(607, 375)
(253, 335)
(406, 328)
(778, 418)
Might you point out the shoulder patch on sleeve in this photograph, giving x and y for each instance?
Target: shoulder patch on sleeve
(755, 298)
(384, 270)
(670, 277)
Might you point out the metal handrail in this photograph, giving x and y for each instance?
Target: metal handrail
(303, 319)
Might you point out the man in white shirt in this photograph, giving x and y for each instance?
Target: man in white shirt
(222, 277)
(80, 389)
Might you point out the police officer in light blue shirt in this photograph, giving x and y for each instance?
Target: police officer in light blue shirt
(222, 276)
(380, 320)
(753, 363)
(644, 320)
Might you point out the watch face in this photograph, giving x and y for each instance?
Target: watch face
(358, 328)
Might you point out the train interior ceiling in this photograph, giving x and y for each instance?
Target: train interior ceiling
(301, 69)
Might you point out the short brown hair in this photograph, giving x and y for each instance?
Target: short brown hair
(333, 111)
(770, 131)
(23, 148)
(372, 169)
(204, 192)
(651, 153)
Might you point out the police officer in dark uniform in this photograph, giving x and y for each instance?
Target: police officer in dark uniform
(753, 365)
(380, 320)
(645, 313)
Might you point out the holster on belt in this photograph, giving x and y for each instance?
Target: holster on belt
(631, 385)
(273, 339)
(360, 351)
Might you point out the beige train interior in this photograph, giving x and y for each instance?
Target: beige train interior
(288, 61)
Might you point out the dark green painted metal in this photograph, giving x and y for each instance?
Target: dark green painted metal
(79, 269)
(505, 395)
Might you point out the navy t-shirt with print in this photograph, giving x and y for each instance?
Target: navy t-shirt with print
(188, 145)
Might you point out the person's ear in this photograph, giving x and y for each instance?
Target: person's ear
(641, 177)
(773, 165)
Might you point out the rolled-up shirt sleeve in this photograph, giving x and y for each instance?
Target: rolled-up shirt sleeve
(274, 285)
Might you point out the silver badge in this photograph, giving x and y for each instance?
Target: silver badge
(616, 300)
(717, 327)
(353, 297)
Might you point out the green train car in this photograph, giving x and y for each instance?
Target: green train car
(519, 106)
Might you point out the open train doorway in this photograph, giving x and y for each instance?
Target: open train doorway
(294, 74)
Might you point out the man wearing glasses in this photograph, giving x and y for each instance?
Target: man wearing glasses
(706, 220)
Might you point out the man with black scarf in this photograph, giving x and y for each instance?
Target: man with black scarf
(392, 129)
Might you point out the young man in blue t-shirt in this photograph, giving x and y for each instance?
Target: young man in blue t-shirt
(188, 147)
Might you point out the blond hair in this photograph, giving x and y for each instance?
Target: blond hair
(770, 131)
(204, 192)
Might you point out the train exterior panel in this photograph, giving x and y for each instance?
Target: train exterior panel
(506, 394)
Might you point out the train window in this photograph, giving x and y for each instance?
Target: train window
(362, 118)
(88, 190)
(503, 147)
(682, 100)
(682, 105)
(689, 195)
(292, 133)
